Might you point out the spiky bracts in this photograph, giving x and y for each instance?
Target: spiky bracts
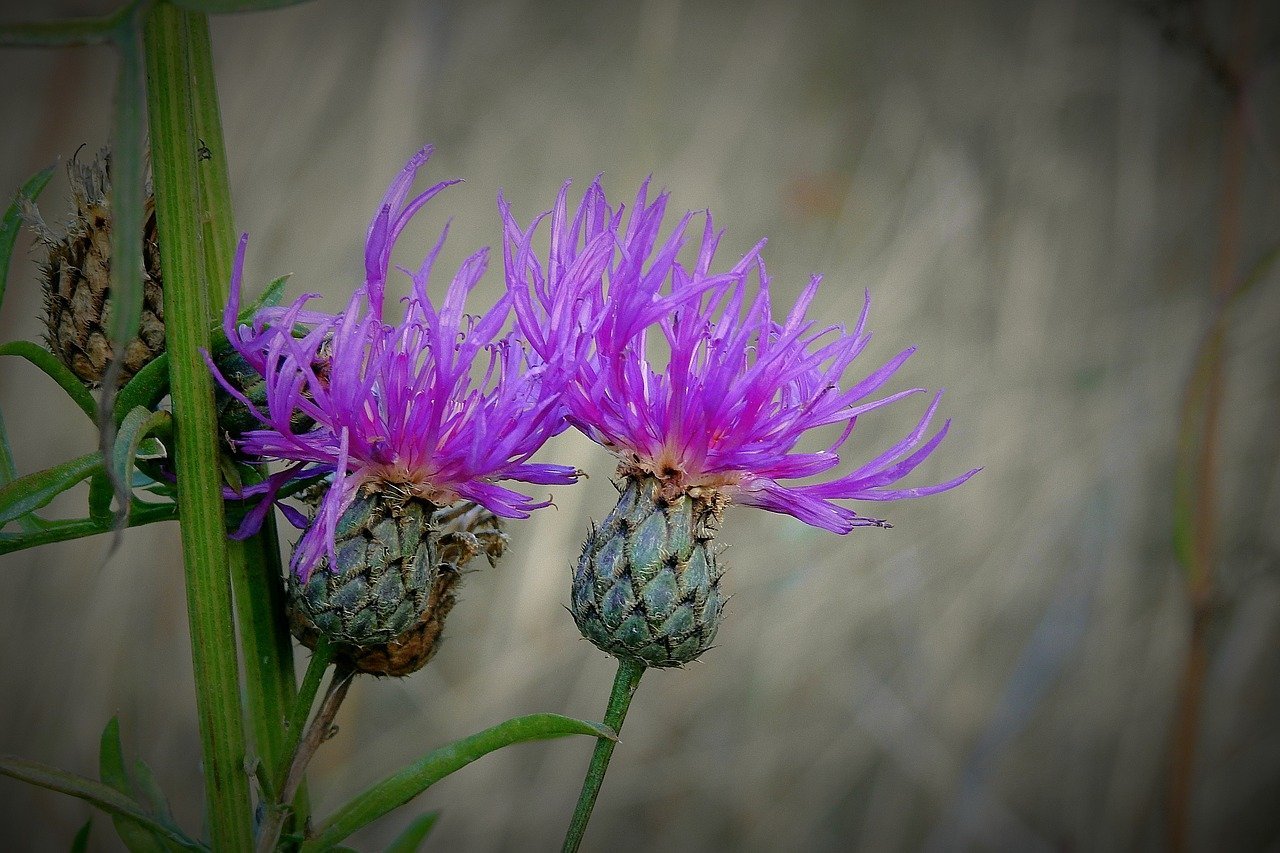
(647, 586)
(76, 279)
(384, 600)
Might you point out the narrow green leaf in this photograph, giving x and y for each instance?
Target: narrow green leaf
(100, 495)
(80, 843)
(414, 834)
(65, 33)
(102, 796)
(135, 427)
(111, 770)
(146, 786)
(29, 493)
(78, 528)
(55, 370)
(11, 224)
(8, 471)
(271, 297)
(220, 6)
(147, 387)
(128, 204)
(396, 790)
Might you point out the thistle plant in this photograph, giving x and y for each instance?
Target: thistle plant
(713, 421)
(390, 433)
(384, 430)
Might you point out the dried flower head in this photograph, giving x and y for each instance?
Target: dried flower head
(76, 279)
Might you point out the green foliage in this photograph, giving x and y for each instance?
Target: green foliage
(28, 494)
(98, 794)
(222, 6)
(48, 363)
(400, 788)
(80, 843)
(414, 834)
(137, 837)
(11, 223)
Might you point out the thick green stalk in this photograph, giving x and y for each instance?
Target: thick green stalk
(215, 187)
(266, 648)
(624, 687)
(174, 152)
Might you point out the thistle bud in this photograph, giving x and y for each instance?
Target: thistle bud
(647, 586)
(398, 564)
(76, 279)
(234, 417)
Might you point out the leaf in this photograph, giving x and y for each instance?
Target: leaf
(411, 838)
(135, 427)
(147, 387)
(55, 370)
(70, 31)
(80, 843)
(96, 793)
(111, 770)
(221, 6)
(270, 298)
(27, 494)
(100, 495)
(12, 221)
(400, 788)
(77, 528)
(145, 785)
(28, 523)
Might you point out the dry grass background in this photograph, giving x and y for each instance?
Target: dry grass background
(1028, 190)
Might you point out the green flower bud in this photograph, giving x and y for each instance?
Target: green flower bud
(398, 564)
(647, 586)
(234, 417)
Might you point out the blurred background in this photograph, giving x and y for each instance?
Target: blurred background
(1031, 193)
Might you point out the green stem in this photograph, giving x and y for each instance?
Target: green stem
(65, 33)
(320, 730)
(62, 531)
(624, 687)
(187, 304)
(321, 657)
(266, 647)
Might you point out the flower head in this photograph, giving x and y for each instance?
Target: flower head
(734, 389)
(439, 405)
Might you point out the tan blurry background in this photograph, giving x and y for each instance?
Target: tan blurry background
(1029, 192)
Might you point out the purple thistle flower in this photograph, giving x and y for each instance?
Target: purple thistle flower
(738, 388)
(396, 404)
(715, 419)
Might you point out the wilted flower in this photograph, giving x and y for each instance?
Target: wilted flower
(715, 421)
(401, 424)
(76, 279)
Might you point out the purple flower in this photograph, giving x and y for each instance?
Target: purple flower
(400, 403)
(735, 388)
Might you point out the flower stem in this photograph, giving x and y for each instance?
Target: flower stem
(624, 687)
(188, 314)
(320, 730)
